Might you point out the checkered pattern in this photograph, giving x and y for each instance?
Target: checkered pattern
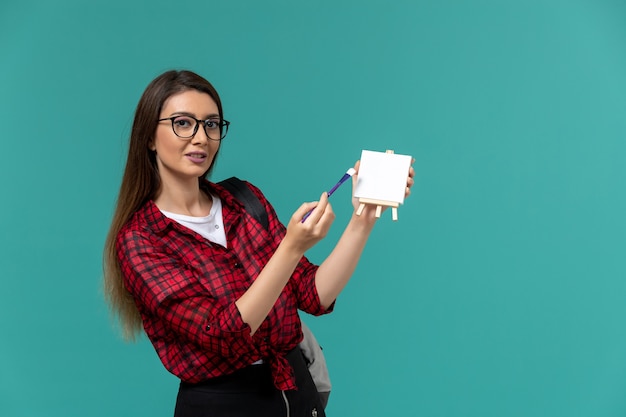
(185, 288)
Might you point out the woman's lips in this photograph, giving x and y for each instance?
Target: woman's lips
(196, 157)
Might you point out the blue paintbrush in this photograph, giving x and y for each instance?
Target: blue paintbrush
(343, 179)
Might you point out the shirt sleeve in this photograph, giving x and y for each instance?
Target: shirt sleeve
(165, 289)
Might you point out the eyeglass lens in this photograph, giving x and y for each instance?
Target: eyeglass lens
(186, 127)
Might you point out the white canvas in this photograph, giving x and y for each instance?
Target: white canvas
(382, 176)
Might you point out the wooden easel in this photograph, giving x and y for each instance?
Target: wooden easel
(379, 204)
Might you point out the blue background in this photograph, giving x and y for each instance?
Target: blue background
(499, 292)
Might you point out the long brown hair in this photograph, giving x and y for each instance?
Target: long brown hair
(141, 182)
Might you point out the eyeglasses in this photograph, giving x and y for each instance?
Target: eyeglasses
(186, 127)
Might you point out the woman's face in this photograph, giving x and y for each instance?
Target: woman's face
(178, 158)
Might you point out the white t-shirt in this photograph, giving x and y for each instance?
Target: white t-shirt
(211, 226)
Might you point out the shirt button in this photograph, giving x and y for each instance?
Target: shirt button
(314, 412)
(266, 339)
(208, 327)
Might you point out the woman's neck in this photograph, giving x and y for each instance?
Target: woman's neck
(185, 199)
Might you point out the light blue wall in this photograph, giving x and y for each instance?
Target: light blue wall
(501, 291)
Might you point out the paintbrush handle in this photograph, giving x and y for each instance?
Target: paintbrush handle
(343, 179)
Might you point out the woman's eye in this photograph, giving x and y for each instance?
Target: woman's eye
(183, 122)
(212, 124)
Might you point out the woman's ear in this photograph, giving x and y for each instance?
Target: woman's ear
(151, 145)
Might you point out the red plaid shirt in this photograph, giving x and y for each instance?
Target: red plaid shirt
(185, 288)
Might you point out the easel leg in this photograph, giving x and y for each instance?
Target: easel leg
(379, 210)
(360, 209)
(394, 213)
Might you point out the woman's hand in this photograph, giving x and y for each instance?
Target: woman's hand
(302, 236)
(410, 181)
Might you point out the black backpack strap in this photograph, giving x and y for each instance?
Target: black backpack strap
(245, 196)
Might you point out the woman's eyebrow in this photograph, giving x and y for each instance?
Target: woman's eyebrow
(190, 114)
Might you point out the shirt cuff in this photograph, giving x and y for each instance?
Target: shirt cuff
(227, 333)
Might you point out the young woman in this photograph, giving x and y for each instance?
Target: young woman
(217, 293)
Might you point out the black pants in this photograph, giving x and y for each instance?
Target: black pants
(250, 392)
